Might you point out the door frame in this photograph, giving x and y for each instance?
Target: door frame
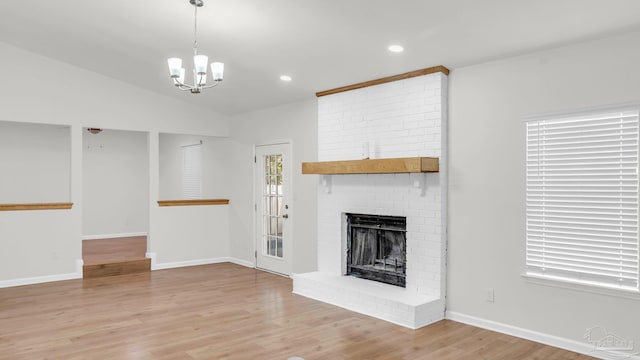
(291, 210)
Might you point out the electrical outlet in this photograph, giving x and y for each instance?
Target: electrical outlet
(490, 294)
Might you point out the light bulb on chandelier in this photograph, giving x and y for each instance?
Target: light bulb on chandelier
(177, 72)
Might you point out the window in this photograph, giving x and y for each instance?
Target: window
(582, 198)
(192, 171)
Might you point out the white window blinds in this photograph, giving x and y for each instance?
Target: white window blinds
(192, 171)
(582, 198)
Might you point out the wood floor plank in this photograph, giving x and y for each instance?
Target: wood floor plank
(222, 311)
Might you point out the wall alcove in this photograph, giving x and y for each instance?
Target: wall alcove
(36, 163)
(190, 170)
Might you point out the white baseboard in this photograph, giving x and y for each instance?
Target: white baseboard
(151, 256)
(563, 343)
(249, 264)
(80, 268)
(177, 264)
(109, 236)
(44, 279)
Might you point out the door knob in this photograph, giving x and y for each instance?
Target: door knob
(285, 216)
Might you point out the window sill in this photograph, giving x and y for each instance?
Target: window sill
(584, 287)
(35, 206)
(193, 202)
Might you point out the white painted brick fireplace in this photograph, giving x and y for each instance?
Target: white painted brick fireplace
(405, 118)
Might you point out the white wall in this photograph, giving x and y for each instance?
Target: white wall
(487, 183)
(35, 162)
(296, 122)
(216, 178)
(190, 235)
(47, 91)
(36, 244)
(38, 247)
(115, 182)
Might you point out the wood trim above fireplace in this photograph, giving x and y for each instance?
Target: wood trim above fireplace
(373, 166)
(387, 79)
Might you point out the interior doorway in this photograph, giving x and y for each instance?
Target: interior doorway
(115, 202)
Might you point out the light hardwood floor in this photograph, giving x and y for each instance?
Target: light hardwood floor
(222, 311)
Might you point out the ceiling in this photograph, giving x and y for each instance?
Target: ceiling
(322, 44)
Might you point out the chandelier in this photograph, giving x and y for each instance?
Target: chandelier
(176, 71)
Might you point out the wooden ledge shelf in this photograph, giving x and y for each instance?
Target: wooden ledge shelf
(193, 202)
(373, 166)
(35, 206)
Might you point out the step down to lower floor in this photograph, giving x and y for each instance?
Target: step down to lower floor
(116, 268)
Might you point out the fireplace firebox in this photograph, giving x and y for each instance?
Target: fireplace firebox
(376, 248)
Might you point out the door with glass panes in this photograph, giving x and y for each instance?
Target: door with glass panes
(273, 211)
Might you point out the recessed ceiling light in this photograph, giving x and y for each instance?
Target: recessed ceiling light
(285, 78)
(396, 48)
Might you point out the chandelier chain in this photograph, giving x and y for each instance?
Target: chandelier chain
(195, 30)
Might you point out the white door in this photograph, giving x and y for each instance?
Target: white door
(273, 211)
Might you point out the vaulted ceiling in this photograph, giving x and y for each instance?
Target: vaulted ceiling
(322, 44)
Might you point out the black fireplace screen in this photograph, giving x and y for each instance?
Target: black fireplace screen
(376, 248)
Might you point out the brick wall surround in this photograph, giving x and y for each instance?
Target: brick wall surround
(405, 118)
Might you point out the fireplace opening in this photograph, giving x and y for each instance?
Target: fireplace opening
(377, 248)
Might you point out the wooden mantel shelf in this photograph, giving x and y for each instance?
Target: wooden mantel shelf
(373, 166)
(193, 202)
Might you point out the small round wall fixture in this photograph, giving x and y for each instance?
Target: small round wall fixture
(94, 130)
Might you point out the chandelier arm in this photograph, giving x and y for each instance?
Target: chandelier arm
(215, 83)
(183, 86)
